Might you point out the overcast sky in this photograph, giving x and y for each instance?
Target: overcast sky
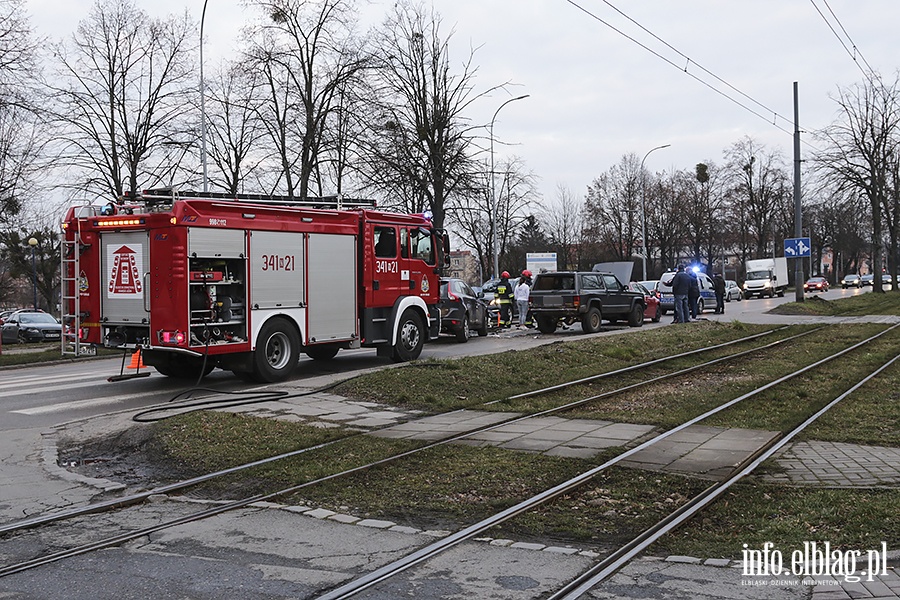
(595, 95)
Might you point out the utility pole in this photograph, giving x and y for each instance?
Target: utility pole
(203, 158)
(798, 213)
(495, 218)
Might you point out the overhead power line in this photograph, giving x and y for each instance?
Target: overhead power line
(775, 116)
(855, 49)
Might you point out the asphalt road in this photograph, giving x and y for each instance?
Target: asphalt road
(46, 394)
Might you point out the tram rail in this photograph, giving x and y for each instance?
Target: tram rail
(445, 543)
(582, 584)
(192, 406)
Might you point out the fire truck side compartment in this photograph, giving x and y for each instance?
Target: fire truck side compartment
(332, 314)
(277, 269)
(124, 260)
(216, 243)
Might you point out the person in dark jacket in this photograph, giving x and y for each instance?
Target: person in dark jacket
(681, 285)
(694, 295)
(504, 296)
(719, 289)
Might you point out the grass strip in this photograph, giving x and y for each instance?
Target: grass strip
(441, 385)
(872, 303)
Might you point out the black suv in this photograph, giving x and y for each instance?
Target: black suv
(588, 297)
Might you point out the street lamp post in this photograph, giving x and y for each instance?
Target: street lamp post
(203, 105)
(644, 213)
(33, 243)
(496, 244)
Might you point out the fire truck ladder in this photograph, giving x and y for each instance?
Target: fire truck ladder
(70, 251)
(169, 195)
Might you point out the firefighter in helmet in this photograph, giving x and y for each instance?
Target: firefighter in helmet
(504, 297)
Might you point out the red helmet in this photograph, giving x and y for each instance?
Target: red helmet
(526, 273)
(504, 274)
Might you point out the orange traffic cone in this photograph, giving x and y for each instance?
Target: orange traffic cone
(137, 362)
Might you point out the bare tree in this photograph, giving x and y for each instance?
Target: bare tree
(666, 204)
(308, 52)
(476, 221)
(20, 133)
(18, 55)
(125, 81)
(861, 153)
(234, 127)
(420, 135)
(612, 210)
(515, 196)
(21, 144)
(758, 188)
(561, 220)
(473, 223)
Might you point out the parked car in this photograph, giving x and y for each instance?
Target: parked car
(585, 296)
(462, 309)
(733, 291)
(866, 280)
(816, 284)
(653, 310)
(850, 280)
(30, 326)
(5, 314)
(707, 293)
(652, 286)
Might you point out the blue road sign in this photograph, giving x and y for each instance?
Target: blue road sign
(796, 247)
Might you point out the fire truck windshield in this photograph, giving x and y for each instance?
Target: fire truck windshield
(421, 243)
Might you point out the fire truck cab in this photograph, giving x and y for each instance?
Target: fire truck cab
(247, 283)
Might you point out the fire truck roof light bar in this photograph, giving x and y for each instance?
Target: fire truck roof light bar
(119, 222)
(171, 195)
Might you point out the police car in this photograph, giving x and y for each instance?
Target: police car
(707, 292)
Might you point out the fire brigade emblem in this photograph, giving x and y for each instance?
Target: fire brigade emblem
(124, 273)
(83, 286)
(425, 285)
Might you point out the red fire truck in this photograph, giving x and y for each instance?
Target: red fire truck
(198, 281)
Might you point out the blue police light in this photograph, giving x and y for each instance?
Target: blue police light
(695, 268)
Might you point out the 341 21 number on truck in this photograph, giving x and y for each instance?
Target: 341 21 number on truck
(247, 283)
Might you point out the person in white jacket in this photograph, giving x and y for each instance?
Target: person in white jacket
(521, 293)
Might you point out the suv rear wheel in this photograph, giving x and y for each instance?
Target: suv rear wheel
(546, 324)
(590, 322)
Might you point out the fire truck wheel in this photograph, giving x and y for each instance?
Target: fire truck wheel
(321, 352)
(410, 337)
(277, 351)
(180, 367)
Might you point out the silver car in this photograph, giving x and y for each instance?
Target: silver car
(733, 291)
(851, 280)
